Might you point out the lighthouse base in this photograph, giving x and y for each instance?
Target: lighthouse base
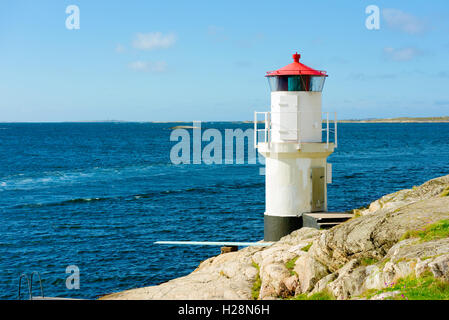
(275, 227)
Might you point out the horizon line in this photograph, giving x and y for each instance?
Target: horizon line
(403, 118)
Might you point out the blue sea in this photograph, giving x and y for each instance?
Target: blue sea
(97, 195)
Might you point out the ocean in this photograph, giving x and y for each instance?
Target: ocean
(97, 196)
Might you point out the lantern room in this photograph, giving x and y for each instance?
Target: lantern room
(296, 77)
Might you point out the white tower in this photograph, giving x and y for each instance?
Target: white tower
(296, 170)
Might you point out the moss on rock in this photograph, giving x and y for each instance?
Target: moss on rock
(257, 283)
(430, 232)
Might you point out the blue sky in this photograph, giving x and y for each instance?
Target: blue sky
(206, 60)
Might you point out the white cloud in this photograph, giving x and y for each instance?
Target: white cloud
(146, 66)
(402, 54)
(153, 40)
(402, 21)
(120, 49)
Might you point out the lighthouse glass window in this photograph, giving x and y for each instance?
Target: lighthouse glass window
(296, 83)
(317, 83)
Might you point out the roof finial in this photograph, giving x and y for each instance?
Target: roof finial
(296, 57)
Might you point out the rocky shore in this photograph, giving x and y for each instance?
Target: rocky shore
(397, 248)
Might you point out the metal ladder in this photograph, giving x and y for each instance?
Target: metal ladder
(30, 285)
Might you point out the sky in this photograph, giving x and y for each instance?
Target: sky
(206, 60)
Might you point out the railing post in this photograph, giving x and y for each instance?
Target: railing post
(269, 128)
(335, 131)
(327, 130)
(24, 275)
(266, 127)
(255, 129)
(40, 283)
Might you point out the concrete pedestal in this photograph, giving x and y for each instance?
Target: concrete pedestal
(276, 227)
(296, 176)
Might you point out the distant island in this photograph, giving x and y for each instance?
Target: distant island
(388, 120)
(399, 120)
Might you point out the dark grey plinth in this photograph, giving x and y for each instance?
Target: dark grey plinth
(276, 227)
(324, 220)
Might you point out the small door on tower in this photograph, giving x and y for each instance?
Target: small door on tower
(318, 189)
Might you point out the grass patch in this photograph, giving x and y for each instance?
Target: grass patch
(255, 290)
(445, 192)
(357, 213)
(307, 247)
(323, 295)
(368, 261)
(412, 288)
(290, 265)
(370, 293)
(430, 232)
(431, 257)
(383, 263)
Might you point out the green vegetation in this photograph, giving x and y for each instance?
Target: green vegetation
(257, 283)
(357, 213)
(412, 288)
(430, 232)
(290, 265)
(368, 261)
(445, 192)
(307, 247)
(383, 263)
(323, 295)
(431, 257)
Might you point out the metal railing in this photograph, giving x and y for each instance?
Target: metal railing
(24, 275)
(267, 128)
(330, 130)
(29, 282)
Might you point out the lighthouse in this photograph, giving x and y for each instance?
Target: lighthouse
(294, 138)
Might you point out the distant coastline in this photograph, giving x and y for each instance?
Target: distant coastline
(390, 120)
(370, 120)
(399, 120)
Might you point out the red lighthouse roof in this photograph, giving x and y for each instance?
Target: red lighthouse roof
(296, 68)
